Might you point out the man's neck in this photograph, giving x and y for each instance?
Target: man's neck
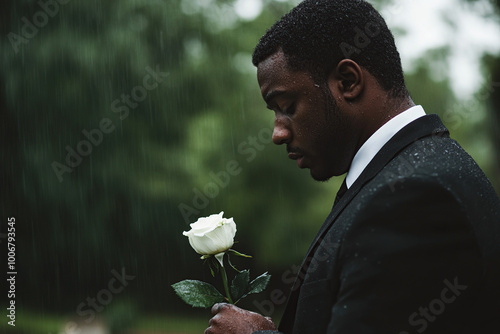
(382, 112)
(373, 145)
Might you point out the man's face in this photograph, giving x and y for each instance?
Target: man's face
(316, 132)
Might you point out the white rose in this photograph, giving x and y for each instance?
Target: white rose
(212, 235)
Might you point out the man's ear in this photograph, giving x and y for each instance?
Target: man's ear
(347, 80)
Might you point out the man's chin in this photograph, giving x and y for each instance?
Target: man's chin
(321, 177)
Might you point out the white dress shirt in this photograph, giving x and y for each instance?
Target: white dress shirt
(371, 147)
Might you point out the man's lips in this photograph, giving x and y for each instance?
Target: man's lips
(296, 156)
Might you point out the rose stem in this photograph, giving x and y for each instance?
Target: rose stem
(226, 287)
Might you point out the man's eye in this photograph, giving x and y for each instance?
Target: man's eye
(290, 110)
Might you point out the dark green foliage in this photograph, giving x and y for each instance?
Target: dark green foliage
(197, 293)
(240, 284)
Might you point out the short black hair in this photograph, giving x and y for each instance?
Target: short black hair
(317, 34)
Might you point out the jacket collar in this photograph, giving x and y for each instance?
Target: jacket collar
(425, 126)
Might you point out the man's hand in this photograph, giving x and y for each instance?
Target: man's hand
(229, 319)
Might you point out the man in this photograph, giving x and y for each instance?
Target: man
(412, 243)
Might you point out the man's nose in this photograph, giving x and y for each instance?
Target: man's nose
(281, 133)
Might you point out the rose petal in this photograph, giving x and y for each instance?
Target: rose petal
(206, 224)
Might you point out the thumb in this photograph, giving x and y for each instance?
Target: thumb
(218, 307)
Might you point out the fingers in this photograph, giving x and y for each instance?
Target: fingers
(218, 307)
(213, 323)
(230, 319)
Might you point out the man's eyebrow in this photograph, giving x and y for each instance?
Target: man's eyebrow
(272, 95)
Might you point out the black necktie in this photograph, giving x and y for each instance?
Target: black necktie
(341, 192)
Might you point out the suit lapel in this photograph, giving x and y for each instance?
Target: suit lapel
(425, 126)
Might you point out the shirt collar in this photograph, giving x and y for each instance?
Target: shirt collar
(373, 145)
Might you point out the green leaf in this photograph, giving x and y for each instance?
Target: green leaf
(197, 293)
(258, 285)
(240, 284)
(238, 253)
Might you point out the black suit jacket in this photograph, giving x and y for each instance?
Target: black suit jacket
(412, 247)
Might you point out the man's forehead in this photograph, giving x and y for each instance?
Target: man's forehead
(272, 65)
(277, 57)
(274, 74)
(273, 71)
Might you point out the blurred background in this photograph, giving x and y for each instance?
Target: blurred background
(124, 121)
